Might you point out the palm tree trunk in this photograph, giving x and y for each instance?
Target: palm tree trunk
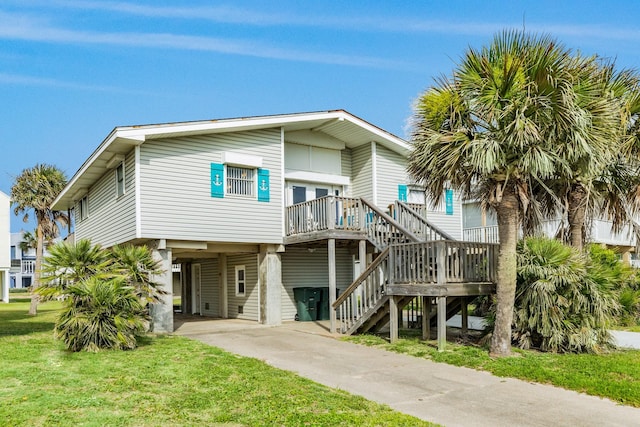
(576, 215)
(507, 213)
(35, 298)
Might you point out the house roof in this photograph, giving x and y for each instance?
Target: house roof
(339, 124)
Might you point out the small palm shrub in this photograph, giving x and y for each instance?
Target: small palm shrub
(564, 302)
(101, 314)
(137, 267)
(69, 263)
(629, 300)
(106, 293)
(626, 280)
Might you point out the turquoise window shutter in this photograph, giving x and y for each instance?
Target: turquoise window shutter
(402, 192)
(217, 180)
(448, 199)
(263, 185)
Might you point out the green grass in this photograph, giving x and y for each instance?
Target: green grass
(634, 328)
(614, 375)
(168, 380)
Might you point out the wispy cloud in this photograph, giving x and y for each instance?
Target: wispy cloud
(24, 80)
(226, 14)
(361, 23)
(24, 27)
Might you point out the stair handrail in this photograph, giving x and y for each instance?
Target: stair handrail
(390, 221)
(362, 277)
(438, 231)
(382, 238)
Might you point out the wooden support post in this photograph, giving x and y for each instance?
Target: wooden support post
(162, 312)
(426, 318)
(332, 283)
(441, 278)
(224, 289)
(331, 212)
(362, 255)
(393, 319)
(442, 322)
(465, 316)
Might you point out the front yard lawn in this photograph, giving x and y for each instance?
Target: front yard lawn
(168, 380)
(614, 375)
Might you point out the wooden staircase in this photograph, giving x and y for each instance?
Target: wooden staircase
(416, 259)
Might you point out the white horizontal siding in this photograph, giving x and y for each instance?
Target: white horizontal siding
(391, 171)
(301, 268)
(175, 189)
(362, 173)
(249, 302)
(210, 288)
(346, 169)
(452, 224)
(111, 220)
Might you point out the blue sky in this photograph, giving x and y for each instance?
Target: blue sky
(71, 70)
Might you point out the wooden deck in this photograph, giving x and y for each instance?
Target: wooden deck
(414, 259)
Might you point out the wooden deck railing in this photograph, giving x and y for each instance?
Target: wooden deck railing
(325, 213)
(345, 213)
(457, 262)
(413, 217)
(488, 234)
(381, 229)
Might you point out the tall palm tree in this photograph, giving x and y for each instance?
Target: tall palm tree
(35, 189)
(602, 183)
(491, 132)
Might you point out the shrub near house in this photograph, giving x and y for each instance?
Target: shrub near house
(565, 301)
(106, 293)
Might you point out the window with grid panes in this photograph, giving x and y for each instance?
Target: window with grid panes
(240, 181)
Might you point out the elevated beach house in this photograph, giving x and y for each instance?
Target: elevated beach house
(243, 211)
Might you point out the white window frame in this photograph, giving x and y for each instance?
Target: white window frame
(83, 208)
(240, 183)
(242, 281)
(120, 190)
(415, 191)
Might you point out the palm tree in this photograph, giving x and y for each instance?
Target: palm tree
(101, 314)
(36, 188)
(604, 181)
(491, 132)
(137, 266)
(29, 241)
(69, 263)
(106, 293)
(564, 300)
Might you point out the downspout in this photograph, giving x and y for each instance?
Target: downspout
(137, 192)
(374, 173)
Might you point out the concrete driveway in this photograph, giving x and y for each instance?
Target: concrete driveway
(435, 392)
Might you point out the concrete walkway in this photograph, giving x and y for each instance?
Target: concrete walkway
(435, 392)
(626, 339)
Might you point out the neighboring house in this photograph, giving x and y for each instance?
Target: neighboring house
(23, 262)
(5, 260)
(482, 226)
(243, 211)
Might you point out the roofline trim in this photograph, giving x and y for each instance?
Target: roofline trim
(137, 135)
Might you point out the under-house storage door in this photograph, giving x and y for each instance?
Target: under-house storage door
(195, 289)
